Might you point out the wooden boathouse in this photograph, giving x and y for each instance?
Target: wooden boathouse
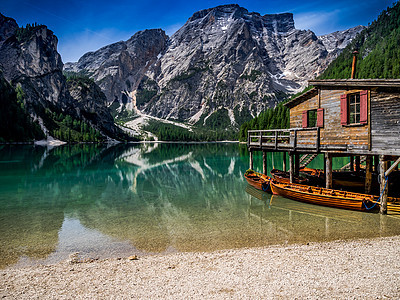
(357, 118)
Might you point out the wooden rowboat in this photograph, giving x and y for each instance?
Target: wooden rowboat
(326, 197)
(258, 180)
(284, 177)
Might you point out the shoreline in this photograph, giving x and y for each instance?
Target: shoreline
(362, 268)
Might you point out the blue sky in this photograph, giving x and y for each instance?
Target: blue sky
(83, 26)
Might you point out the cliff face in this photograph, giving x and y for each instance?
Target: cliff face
(118, 68)
(223, 59)
(32, 61)
(29, 60)
(89, 103)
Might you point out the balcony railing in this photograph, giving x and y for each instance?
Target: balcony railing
(285, 139)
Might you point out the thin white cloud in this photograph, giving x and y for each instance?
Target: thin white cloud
(318, 22)
(171, 29)
(73, 47)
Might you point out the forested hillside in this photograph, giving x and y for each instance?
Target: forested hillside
(15, 123)
(379, 50)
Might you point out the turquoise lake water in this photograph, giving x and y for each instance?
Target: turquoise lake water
(146, 199)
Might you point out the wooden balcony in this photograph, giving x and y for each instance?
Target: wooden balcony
(294, 139)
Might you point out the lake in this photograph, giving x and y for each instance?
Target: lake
(143, 199)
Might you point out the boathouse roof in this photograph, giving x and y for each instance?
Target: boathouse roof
(343, 84)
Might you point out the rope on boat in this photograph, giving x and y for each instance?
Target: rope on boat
(380, 196)
(265, 186)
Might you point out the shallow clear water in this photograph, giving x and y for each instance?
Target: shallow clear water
(158, 198)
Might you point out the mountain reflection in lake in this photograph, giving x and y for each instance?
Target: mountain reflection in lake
(151, 198)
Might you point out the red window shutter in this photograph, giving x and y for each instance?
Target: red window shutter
(305, 119)
(364, 107)
(343, 110)
(320, 117)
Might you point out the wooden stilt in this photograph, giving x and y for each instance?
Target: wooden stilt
(291, 167)
(264, 162)
(352, 163)
(296, 164)
(251, 160)
(357, 164)
(328, 172)
(284, 162)
(368, 174)
(384, 187)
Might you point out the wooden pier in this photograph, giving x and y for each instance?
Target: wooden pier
(356, 118)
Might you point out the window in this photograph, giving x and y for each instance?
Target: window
(353, 103)
(312, 118)
(354, 108)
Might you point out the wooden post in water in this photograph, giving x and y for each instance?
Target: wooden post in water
(328, 170)
(296, 164)
(251, 160)
(357, 164)
(264, 162)
(284, 162)
(384, 187)
(351, 163)
(291, 167)
(368, 174)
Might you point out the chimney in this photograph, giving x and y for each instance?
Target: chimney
(353, 67)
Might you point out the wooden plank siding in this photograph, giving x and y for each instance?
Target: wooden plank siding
(332, 133)
(385, 121)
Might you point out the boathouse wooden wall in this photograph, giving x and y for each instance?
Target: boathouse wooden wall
(385, 120)
(332, 134)
(381, 134)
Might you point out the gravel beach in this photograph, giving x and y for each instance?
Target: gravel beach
(357, 269)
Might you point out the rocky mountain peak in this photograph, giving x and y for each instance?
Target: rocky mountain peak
(224, 14)
(224, 60)
(8, 26)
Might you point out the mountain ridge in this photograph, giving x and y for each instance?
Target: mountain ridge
(224, 59)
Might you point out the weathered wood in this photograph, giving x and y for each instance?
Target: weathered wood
(265, 162)
(333, 133)
(251, 160)
(328, 170)
(284, 162)
(357, 164)
(296, 164)
(354, 64)
(368, 175)
(383, 185)
(385, 117)
(355, 83)
(291, 167)
(393, 167)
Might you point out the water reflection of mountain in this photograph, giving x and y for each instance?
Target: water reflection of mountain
(176, 202)
(98, 185)
(157, 197)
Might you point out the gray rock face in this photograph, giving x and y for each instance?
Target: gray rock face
(89, 103)
(34, 63)
(31, 60)
(118, 68)
(8, 27)
(338, 40)
(223, 58)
